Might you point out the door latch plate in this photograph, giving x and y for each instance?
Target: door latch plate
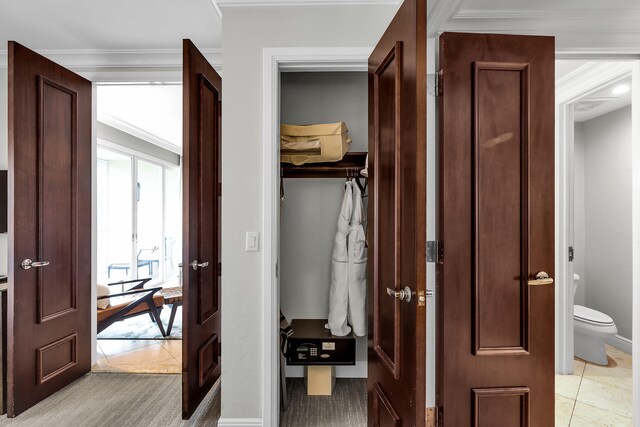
(435, 251)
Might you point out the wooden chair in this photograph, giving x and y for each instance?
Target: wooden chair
(136, 301)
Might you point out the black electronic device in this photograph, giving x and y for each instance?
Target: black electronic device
(313, 344)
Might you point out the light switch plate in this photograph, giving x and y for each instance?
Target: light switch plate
(252, 241)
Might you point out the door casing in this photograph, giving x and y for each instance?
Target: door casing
(574, 88)
(276, 60)
(596, 76)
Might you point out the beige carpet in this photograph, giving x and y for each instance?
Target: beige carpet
(103, 399)
(347, 407)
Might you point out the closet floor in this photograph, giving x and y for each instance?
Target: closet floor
(347, 407)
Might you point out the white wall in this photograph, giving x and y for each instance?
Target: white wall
(579, 244)
(608, 220)
(246, 32)
(310, 211)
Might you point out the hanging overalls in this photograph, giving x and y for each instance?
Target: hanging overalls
(347, 294)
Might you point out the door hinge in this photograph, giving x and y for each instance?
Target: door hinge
(434, 417)
(571, 253)
(276, 269)
(435, 251)
(434, 84)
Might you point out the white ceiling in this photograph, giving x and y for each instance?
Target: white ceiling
(121, 34)
(150, 112)
(109, 25)
(602, 101)
(147, 25)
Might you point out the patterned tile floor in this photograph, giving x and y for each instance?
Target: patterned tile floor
(139, 356)
(596, 395)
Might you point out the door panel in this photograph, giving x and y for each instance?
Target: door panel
(500, 195)
(397, 236)
(501, 406)
(496, 219)
(201, 228)
(49, 341)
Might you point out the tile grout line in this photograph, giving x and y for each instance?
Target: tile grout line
(133, 349)
(127, 364)
(575, 402)
(161, 342)
(172, 355)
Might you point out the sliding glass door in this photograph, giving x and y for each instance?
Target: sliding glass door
(149, 219)
(139, 218)
(115, 216)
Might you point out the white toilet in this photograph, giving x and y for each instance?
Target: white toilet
(591, 330)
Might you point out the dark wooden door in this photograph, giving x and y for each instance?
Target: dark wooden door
(202, 96)
(397, 209)
(49, 305)
(496, 218)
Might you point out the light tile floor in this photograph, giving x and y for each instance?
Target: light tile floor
(596, 395)
(139, 356)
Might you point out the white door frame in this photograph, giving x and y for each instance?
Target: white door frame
(583, 81)
(274, 61)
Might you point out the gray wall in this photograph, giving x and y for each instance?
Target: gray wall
(246, 32)
(310, 211)
(608, 227)
(579, 231)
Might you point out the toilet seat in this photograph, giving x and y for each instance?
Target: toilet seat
(591, 316)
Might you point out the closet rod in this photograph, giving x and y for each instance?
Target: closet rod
(342, 169)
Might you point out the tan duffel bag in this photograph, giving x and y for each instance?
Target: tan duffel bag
(313, 143)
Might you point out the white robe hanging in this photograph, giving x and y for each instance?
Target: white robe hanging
(348, 290)
(357, 246)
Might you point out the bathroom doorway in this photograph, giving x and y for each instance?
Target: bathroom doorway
(598, 217)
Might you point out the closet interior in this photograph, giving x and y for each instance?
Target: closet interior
(325, 373)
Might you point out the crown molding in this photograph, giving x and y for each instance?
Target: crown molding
(217, 8)
(222, 4)
(440, 12)
(575, 15)
(107, 65)
(587, 24)
(576, 29)
(588, 78)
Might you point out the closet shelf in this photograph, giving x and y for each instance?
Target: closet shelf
(346, 167)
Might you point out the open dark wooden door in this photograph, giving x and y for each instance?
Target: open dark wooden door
(49, 301)
(397, 207)
(496, 220)
(202, 191)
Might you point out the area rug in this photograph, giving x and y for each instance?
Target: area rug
(142, 328)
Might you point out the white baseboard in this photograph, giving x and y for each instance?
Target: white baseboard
(240, 422)
(359, 370)
(621, 343)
